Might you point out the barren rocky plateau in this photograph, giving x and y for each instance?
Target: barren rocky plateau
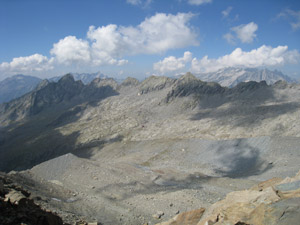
(143, 152)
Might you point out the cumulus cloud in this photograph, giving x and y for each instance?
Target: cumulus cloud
(171, 63)
(198, 2)
(244, 32)
(26, 64)
(292, 16)
(108, 45)
(263, 56)
(71, 50)
(154, 35)
(227, 11)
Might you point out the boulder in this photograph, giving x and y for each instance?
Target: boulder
(188, 218)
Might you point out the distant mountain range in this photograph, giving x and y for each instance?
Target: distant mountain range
(19, 85)
(16, 86)
(232, 76)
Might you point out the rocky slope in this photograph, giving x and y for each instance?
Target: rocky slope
(17, 207)
(232, 76)
(136, 147)
(65, 93)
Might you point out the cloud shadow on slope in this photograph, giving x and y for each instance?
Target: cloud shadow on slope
(240, 160)
(130, 189)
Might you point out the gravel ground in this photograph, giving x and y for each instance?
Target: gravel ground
(122, 184)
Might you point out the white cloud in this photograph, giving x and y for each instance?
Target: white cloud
(122, 62)
(134, 2)
(156, 34)
(227, 11)
(171, 63)
(27, 64)
(144, 3)
(244, 32)
(198, 2)
(71, 50)
(229, 38)
(108, 45)
(263, 56)
(292, 16)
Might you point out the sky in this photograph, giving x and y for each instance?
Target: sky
(139, 38)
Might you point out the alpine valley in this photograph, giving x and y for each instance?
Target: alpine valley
(180, 150)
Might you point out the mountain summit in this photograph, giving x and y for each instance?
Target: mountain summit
(54, 95)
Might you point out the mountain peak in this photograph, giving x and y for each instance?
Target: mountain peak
(188, 77)
(155, 83)
(66, 78)
(188, 84)
(130, 81)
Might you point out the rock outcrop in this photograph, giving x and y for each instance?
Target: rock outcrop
(17, 208)
(274, 201)
(191, 217)
(155, 83)
(190, 85)
(130, 81)
(98, 82)
(249, 86)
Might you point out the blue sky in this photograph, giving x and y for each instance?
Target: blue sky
(138, 38)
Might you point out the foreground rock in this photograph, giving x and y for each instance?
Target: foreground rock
(191, 217)
(17, 208)
(275, 201)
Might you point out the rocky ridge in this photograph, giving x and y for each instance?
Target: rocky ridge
(85, 78)
(155, 83)
(130, 81)
(66, 92)
(188, 84)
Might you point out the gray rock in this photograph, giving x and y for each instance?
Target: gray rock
(155, 83)
(289, 186)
